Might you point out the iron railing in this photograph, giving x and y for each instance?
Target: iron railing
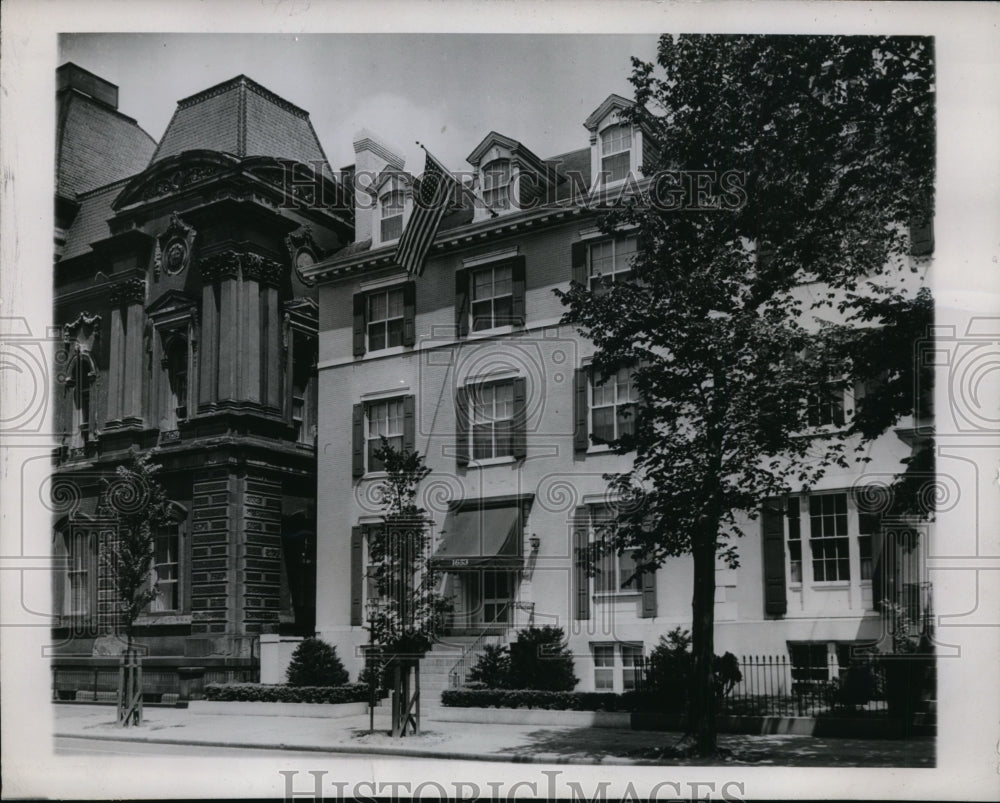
(777, 686)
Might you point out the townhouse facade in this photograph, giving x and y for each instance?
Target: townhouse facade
(189, 332)
(470, 365)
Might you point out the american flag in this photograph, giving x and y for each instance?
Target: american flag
(429, 205)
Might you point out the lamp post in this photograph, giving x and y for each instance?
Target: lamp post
(371, 608)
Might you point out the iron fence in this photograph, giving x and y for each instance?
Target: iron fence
(777, 686)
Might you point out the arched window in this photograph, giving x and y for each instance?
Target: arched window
(496, 184)
(616, 150)
(391, 207)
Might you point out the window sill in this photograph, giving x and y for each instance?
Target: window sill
(492, 461)
(605, 596)
(830, 585)
(496, 331)
(375, 475)
(388, 351)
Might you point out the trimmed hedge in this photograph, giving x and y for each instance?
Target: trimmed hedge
(551, 700)
(265, 693)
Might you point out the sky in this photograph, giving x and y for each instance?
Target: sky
(445, 90)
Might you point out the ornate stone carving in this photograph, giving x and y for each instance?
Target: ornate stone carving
(131, 291)
(219, 266)
(303, 251)
(261, 269)
(173, 248)
(177, 180)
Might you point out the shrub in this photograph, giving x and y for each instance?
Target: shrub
(539, 660)
(315, 663)
(669, 669)
(493, 667)
(262, 693)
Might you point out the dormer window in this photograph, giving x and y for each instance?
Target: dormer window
(616, 152)
(496, 184)
(391, 209)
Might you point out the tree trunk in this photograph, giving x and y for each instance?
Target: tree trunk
(701, 713)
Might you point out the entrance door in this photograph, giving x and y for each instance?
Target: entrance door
(498, 594)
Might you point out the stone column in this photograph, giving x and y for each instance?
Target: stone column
(223, 340)
(128, 339)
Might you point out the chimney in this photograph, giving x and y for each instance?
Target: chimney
(70, 76)
(371, 157)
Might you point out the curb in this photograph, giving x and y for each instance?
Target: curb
(534, 758)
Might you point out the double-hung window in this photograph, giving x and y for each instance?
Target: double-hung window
(391, 217)
(496, 184)
(611, 407)
(385, 319)
(492, 408)
(165, 547)
(615, 574)
(616, 150)
(610, 261)
(828, 537)
(385, 419)
(617, 666)
(492, 297)
(81, 559)
(825, 406)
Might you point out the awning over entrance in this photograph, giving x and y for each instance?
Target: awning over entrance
(481, 536)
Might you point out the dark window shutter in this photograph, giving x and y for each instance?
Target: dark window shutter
(773, 530)
(409, 423)
(578, 257)
(517, 291)
(581, 582)
(922, 237)
(581, 411)
(357, 578)
(359, 324)
(462, 427)
(519, 436)
(648, 582)
(358, 441)
(409, 313)
(462, 303)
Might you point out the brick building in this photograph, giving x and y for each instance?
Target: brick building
(189, 331)
(470, 365)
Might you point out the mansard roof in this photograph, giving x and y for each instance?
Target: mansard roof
(243, 118)
(91, 221)
(95, 143)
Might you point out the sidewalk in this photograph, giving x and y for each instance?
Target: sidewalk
(454, 740)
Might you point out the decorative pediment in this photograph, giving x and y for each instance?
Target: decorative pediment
(612, 103)
(505, 147)
(173, 248)
(172, 301)
(172, 175)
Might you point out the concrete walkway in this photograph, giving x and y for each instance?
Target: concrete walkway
(454, 740)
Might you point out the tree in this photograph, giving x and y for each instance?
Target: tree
(409, 607)
(830, 145)
(137, 505)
